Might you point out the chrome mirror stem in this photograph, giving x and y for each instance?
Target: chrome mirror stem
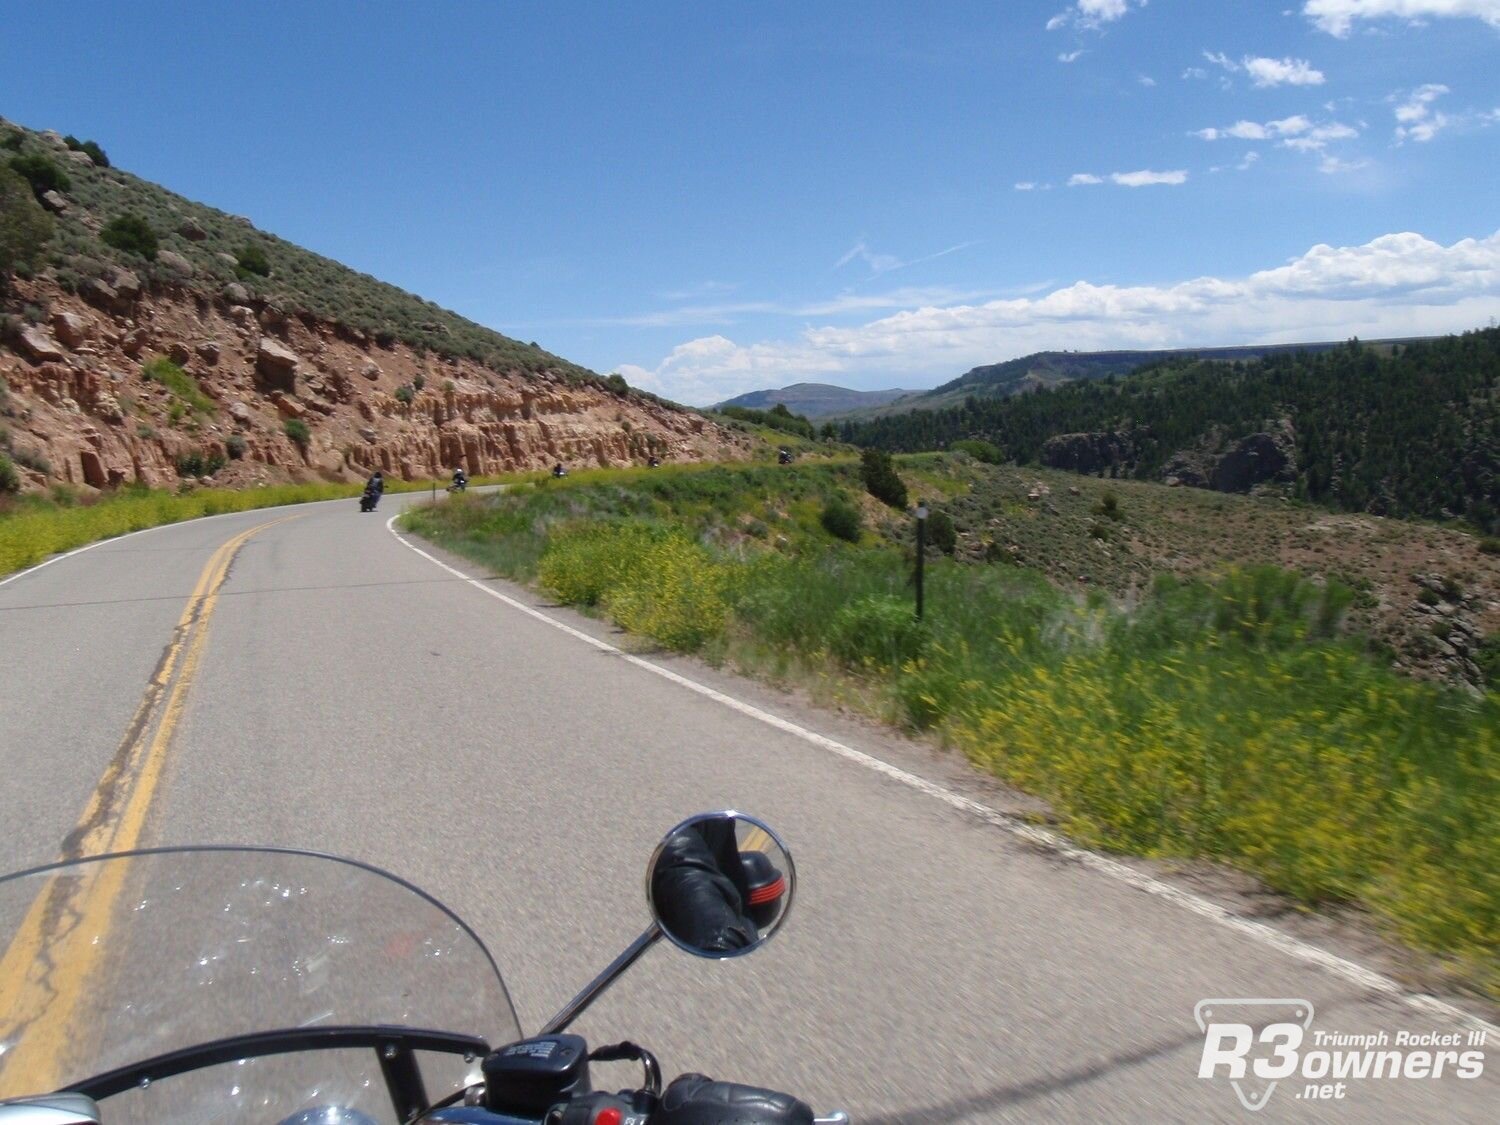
(592, 990)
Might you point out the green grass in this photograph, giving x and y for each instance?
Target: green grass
(1223, 718)
(183, 387)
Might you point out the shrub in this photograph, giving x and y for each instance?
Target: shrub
(296, 429)
(985, 451)
(879, 630)
(24, 226)
(10, 480)
(235, 446)
(96, 154)
(841, 519)
(183, 386)
(677, 595)
(881, 481)
(582, 565)
(41, 173)
(1487, 656)
(1489, 545)
(616, 384)
(32, 460)
(252, 260)
(197, 464)
(132, 234)
(405, 394)
(1109, 507)
(941, 533)
(419, 381)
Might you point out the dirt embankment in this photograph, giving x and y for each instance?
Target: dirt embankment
(79, 409)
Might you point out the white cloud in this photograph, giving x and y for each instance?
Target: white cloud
(1145, 80)
(878, 263)
(1026, 185)
(1147, 178)
(1195, 72)
(1250, 158)
(1417, 120)
(1415, 117)
(1317, 138)
(1092, 14)
(1070, 56)
(1296, 132)
(1397, 285)
(1337, 17)
(1332, 165)
(1266, 72)
(1143, 178)
(1282, 72)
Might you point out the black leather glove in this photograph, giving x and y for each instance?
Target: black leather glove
(699, 890)
(692, 1099)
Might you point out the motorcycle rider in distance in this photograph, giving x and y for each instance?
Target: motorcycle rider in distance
(460, 480)
(700, 889)
(374, 489)
(783, 456)
(559, 471)
(653, 462)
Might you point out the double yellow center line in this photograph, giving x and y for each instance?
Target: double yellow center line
(45, 971)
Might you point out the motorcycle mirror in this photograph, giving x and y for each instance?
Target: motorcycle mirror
(720, 884)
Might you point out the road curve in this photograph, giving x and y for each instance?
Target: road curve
(351, 695)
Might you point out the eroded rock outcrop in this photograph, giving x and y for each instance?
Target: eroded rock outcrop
(78, 399)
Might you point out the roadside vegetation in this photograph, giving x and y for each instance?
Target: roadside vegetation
(34, 527)
(1225, 716)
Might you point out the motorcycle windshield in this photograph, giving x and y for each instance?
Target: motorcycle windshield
(109, 961)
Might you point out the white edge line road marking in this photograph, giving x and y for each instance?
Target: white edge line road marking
(1258, 931)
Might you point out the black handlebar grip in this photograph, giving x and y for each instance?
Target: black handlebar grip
(692, 1099)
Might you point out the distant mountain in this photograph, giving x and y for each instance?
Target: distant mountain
(815, 400)
(1050, 369)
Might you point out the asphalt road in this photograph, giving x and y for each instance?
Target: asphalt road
(352, 696)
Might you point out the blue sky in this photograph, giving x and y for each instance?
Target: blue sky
(712, 198)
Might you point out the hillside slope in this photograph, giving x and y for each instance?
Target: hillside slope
(1050, 369)
(283, 364)
(815, 400)
(1415, 432)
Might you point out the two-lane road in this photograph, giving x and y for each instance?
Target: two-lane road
(329, 687)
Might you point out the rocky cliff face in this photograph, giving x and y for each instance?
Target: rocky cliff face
(80, 410)
(1215, 461)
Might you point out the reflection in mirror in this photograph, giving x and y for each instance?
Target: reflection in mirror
(720, 884)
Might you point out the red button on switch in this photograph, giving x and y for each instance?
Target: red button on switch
(610, 1116)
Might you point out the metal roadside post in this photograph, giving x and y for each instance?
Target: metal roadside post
(921, 551)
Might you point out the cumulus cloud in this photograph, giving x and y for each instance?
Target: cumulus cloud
(1337, 17)
(1265, 72)
(1415, 117)
(1282, 72)
(1143, 178)
(1297, 132)
(1396, 285)
(1092, 14)
(1147, 178)
(1256, 131)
